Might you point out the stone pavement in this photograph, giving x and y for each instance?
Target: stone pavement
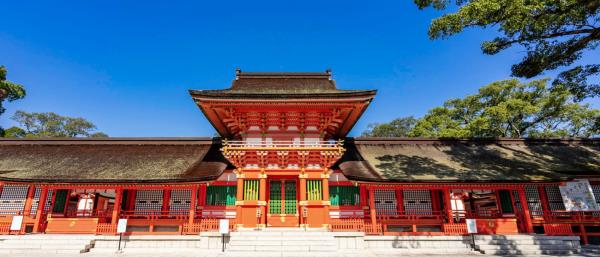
(218, 254)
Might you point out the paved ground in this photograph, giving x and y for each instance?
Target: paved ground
(258, 255)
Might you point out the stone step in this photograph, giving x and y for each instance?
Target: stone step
(45, 242)
(423, 251)
(147, 244)
(291, 254)
(39, 252)
(271, 238)
(523, 242)
(527, 247)
(531, 252)
(281, 248)
(284, 234)
(50, 246)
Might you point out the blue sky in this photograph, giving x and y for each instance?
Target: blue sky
(126, 65)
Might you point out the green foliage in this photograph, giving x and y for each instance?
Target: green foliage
(9, 91)
(49, 124)
(507, 108)
(554, 34)
(397, 128)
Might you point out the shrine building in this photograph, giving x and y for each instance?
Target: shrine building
(283, 159)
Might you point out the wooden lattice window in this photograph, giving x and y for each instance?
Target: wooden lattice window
(596, 192)
(385, 201)
(180, 201)
(220, 195)
(275, 197)
(12, 198)
(554, 198)
(314, 189)
(417, 201)
(533, 200)
(251, 189)
(344, 195)
(290, 197)
(148, 201)
(36, 200)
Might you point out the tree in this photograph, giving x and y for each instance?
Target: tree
(9, 91)
(49, 124)
(509, 108)
(400, 127)
(554, 34)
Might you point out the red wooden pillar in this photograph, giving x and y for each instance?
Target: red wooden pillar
(262, 197)
(239, 197)
(117, 207)
(193, 200)
(202, 198)
(326, 198)
(372, 207)
(544, 199)
(448, 205)
(525, 210)
(399, 201)
(166, 201)
(40, 209)
(302, 190)
(29, 200)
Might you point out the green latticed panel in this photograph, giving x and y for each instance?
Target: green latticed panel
(275, 197)
(220, 195)
(290, 197)
(344, 195)
(251, 189)
(314, 189)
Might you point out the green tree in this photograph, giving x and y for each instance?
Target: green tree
(9, 91)
(509, 108)
(400, 127)
(49, 124)
(554, 34)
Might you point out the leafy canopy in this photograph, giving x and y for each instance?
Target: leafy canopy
(49, 124)
(400, 127)
(554, 33)
(506, 108)
(9, 91)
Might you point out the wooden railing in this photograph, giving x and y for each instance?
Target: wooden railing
(153, 215)
(347, 224)
(106, 228)
(204, 225)
(283, 144)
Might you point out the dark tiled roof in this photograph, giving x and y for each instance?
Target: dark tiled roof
(282, 85)
(111, 160)
(415, 160)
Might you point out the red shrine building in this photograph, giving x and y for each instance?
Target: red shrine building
(283, 159)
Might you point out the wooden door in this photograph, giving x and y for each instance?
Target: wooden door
(282, 203)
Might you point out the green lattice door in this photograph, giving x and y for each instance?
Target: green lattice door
(283, 203)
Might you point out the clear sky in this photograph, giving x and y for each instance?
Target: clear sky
(127, 65)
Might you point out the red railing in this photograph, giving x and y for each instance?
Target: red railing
(153, 215)
(455, 229)
(204, 225)
(106, 228)
(347, 224)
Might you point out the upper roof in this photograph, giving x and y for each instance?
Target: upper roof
(414, 160)
(281, 85)
(113, 160)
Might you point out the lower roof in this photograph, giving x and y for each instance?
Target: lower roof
(111, 160)
(123, 160)
(434, 160)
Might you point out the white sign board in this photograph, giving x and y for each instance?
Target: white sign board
(471, 226)
(17, 221)
(122, 226)
(224, 226)
(577, 195)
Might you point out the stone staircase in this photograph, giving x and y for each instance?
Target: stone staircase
(527, 245)
(288, 242)
(45, 244)
(149, 244)
(418, 245)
